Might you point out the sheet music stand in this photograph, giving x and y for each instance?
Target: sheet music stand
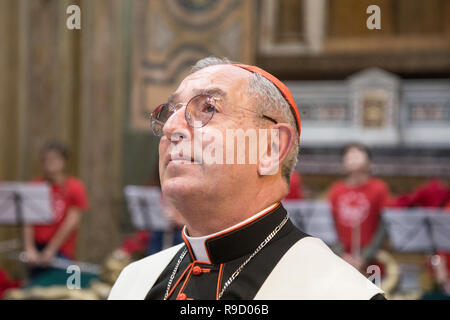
(409, 230)
(313, 217)
(440, 229)
(24, 203)
(417, 230)
(144, 204)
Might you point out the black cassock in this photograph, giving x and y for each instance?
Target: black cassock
(227, 251)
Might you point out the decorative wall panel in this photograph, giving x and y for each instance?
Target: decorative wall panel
(170, 36)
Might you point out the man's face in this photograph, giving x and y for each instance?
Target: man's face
(190, 174)
(54, 163)
(356, 160)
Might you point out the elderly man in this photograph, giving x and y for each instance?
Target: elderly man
(238, 240)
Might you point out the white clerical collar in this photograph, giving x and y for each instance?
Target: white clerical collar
(197, 244)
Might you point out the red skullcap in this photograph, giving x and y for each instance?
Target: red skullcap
(281, 86)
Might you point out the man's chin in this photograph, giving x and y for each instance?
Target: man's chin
(178, 187)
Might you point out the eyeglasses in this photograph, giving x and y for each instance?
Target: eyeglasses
(199, 111)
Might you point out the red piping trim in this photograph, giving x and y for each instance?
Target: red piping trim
(187, 279)
(178, 281)
(202, 262)
(219, 280)
(191, 253)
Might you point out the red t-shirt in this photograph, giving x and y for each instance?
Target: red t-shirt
(361, 205)
(433, 194)
(70, 194)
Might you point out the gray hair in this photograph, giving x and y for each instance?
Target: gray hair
(269, 101)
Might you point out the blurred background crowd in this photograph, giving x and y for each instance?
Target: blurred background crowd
(74, 105)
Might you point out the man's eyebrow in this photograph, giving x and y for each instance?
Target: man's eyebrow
(216, 92)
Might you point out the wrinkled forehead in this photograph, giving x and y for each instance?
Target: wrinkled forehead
(226, 81)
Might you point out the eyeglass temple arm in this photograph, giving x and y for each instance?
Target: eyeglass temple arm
(261, 114)
(269, 118)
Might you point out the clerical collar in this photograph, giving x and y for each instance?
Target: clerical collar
(237, 240)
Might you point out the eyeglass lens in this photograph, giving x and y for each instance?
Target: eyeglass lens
(199, 111)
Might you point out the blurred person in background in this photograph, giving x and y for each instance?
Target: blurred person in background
(440, 264)
(357, 203)
(68, 200)
(433, 194)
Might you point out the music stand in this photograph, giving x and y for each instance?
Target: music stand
(313, 217)
(417, 230)
(25, 203)
(144, 204)
(440, 229)
(409, 230)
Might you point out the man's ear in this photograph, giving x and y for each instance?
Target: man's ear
(274, 146)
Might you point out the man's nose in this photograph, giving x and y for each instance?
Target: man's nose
(176, 125)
